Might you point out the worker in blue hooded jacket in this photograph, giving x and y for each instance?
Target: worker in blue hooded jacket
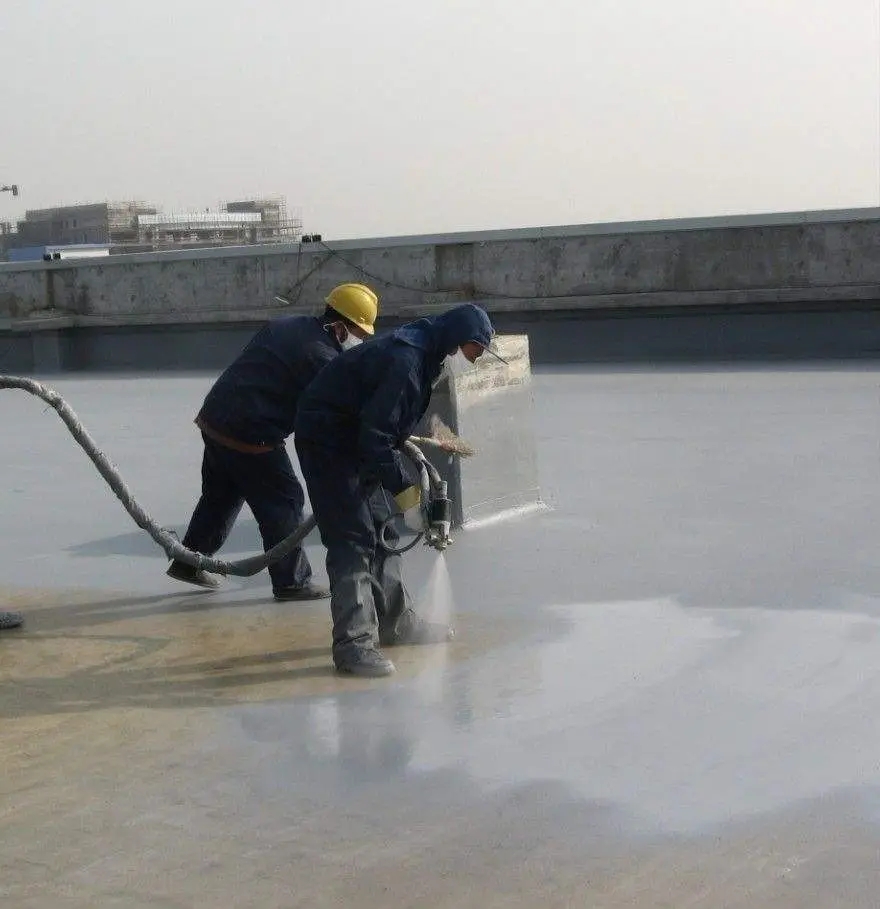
(349, 426)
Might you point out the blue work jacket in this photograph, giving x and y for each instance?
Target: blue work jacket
(255, 399)
(368, 400)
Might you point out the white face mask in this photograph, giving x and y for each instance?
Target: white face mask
(350, 341)
(458, 363)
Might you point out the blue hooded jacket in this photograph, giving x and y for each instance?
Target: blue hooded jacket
(368, 400)
(255, 399)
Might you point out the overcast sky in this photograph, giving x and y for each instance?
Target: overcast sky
(382, 117)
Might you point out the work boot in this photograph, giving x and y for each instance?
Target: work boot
(189, 574)
(366, 662)
(306, 592)
(410, 628)
(10, 620)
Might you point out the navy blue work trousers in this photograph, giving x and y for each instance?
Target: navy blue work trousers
(367, 593)
(267, 483)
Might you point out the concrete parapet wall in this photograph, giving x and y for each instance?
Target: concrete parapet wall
(809, 256)
(792, 285)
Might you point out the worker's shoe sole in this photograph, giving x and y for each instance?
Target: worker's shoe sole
(180, 571)
(369, 664)
(306, 592)
(10, 620)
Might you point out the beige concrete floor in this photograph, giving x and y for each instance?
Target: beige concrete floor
(122, 786)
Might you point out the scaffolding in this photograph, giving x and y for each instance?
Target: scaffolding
(122, 221)
(242, 223)
(279, 225)
(109, 223)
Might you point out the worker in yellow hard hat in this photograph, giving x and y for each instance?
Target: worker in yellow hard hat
(244, 421)
(358, 304)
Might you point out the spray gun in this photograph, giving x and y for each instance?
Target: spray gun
(436, 505)
(435, 510)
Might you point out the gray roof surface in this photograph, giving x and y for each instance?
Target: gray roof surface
(665, 688)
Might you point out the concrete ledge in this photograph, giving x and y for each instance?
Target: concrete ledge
(39, 322)
(636, 335)
(844, 296)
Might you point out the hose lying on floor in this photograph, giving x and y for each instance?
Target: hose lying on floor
(167, 539)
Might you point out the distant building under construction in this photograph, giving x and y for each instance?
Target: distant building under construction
(102, 222)
(140, 227)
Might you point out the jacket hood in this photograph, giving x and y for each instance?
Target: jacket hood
(443, 333)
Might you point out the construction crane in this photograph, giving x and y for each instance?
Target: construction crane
(13, 188)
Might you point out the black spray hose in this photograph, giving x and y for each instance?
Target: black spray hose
(167, 539)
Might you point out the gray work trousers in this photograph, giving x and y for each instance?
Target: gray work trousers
(367, 593)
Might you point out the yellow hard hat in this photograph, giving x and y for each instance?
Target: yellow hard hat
(357, 303)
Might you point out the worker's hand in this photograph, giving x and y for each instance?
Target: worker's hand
(409, 502)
